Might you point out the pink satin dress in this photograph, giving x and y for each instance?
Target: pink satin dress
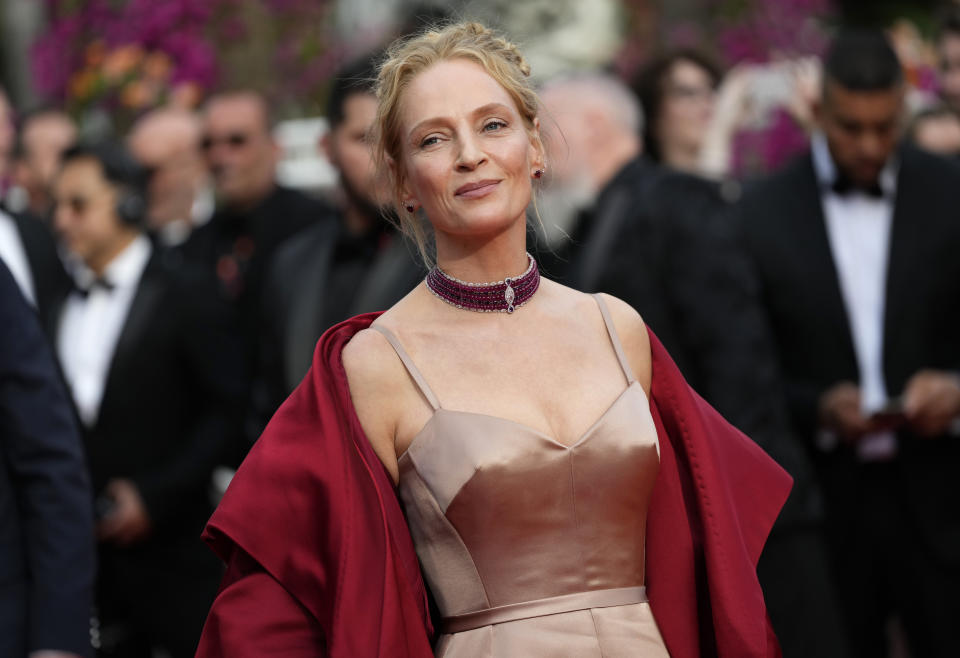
(532, 548)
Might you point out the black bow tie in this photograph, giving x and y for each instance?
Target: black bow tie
(844, 186)
(99, 282)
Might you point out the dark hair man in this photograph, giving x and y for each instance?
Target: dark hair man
(153, 381)
(335, 270)
(855, 246)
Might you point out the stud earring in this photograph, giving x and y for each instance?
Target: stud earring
(410, 207)
(538, 173)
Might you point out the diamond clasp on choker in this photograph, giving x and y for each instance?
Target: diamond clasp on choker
(509, 296)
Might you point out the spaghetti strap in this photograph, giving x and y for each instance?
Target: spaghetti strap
(615, 339)
(408, 364)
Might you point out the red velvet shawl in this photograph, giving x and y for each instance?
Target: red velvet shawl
(320, 561)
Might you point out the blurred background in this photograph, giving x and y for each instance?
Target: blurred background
(187, 202)
(108, 61)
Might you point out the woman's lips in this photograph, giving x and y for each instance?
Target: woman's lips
(476, 190)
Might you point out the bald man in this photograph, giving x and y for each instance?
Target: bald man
(45, 134)
(167, 141)
(254, 214)
(660, 241)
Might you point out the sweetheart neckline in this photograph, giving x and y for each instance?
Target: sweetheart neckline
(586, 434)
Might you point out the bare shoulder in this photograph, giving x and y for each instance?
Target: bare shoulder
(374, 374)
(633, 336)
(364, 358)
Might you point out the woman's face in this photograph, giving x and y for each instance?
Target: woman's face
(466, 155)
(688, 97)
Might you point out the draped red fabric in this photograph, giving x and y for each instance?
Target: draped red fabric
(320, 561)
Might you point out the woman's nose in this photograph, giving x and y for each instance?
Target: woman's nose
(471, 155)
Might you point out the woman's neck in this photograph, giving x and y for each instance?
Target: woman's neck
(484, 260)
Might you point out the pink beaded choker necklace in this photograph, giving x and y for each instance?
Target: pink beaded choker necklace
(500, 297)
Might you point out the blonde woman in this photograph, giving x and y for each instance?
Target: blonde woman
(525, 453)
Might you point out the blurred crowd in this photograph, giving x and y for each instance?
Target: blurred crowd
(161, 294)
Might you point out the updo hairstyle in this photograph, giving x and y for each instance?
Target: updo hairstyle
(407, 58)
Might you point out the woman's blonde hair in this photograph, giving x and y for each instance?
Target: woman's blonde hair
(406, 58)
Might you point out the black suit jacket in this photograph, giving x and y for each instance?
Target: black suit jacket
(50, 280)
(247, 240)
(170, 402)
(46, 520)
(302, 282)
(784, 231)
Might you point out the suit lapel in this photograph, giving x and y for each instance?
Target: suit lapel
(143, 308)
(904, 236)
(390, 277)
(306, 310)
(812, 241)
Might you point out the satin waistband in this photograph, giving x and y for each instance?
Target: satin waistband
(600, 598)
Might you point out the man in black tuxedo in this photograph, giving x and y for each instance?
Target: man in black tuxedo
(335, 270)
(46, 521)
(154, 383)
(855, 246)
(661, 241)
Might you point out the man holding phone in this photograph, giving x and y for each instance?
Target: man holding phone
(855, 249)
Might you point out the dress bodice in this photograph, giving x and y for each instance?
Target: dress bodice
(508, 521)
(501, 514)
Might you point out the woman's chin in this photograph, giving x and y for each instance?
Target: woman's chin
(478, 224)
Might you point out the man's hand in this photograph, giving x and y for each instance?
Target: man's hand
(840, 411)
(128, 522)
(931, 402)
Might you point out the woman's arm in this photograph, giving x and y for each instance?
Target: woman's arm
(374, 374)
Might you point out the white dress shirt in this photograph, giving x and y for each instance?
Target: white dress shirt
(14, 257)
(90, 325)
(858, 229)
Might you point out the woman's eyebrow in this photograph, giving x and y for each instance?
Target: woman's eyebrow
(483, 109)
(490, 107)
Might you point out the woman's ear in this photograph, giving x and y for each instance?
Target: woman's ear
(399, 181)
(537, 153)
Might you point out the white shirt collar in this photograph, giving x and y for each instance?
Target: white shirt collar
(826, 169)
(123, 271)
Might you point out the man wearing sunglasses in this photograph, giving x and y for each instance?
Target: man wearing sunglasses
(254, 214)
(333, 271)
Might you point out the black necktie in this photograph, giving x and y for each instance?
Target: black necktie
(844, 186)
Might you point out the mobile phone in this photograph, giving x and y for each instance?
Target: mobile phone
(771, 87)
(890, 415)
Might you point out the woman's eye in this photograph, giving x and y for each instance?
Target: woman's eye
(494, 125)
(429, 141)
